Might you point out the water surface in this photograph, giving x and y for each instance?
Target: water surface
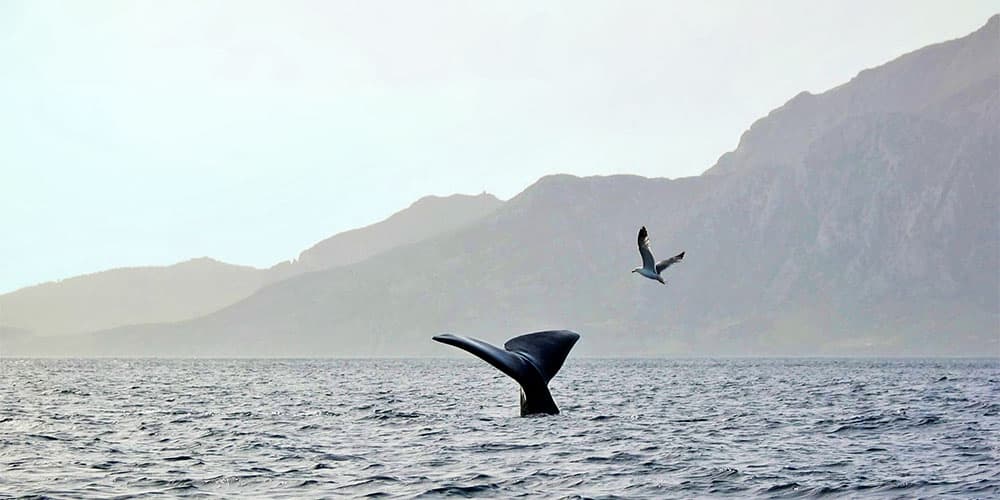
(630, 428)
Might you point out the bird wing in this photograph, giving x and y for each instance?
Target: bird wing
(663, 264)
(647, 256)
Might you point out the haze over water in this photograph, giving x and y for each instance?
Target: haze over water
(635, 428)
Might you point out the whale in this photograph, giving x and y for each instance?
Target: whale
(531, 360)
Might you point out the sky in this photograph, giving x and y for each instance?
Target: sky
(148, 133)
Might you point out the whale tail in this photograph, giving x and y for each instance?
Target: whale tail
(531, 360)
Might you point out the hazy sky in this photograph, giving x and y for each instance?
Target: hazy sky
(135, 133)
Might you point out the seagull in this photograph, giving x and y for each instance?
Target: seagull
(650, 268)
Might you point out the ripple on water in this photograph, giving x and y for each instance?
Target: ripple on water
(385, 428)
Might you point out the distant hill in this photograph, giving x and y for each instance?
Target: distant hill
(128, 296)
(425, 218)
(860, 221)
(197, 287)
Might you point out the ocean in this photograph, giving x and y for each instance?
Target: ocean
(674, 428)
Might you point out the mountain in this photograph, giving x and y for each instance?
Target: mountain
(425, 218)
(860, 221)
(129, 296)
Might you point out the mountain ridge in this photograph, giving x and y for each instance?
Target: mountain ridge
(196, 287)
(837, 227)
(941, 57)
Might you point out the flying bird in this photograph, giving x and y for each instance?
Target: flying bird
(650, 268)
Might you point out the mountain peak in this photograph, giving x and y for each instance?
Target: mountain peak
(912, 83)
(456, 198)
(425, 217)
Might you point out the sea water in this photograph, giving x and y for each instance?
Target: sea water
(450, 427)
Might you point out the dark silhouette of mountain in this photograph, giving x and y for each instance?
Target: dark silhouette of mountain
(197, 287)
(425, 218)
(860, 221)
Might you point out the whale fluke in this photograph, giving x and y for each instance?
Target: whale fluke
(531, 360)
